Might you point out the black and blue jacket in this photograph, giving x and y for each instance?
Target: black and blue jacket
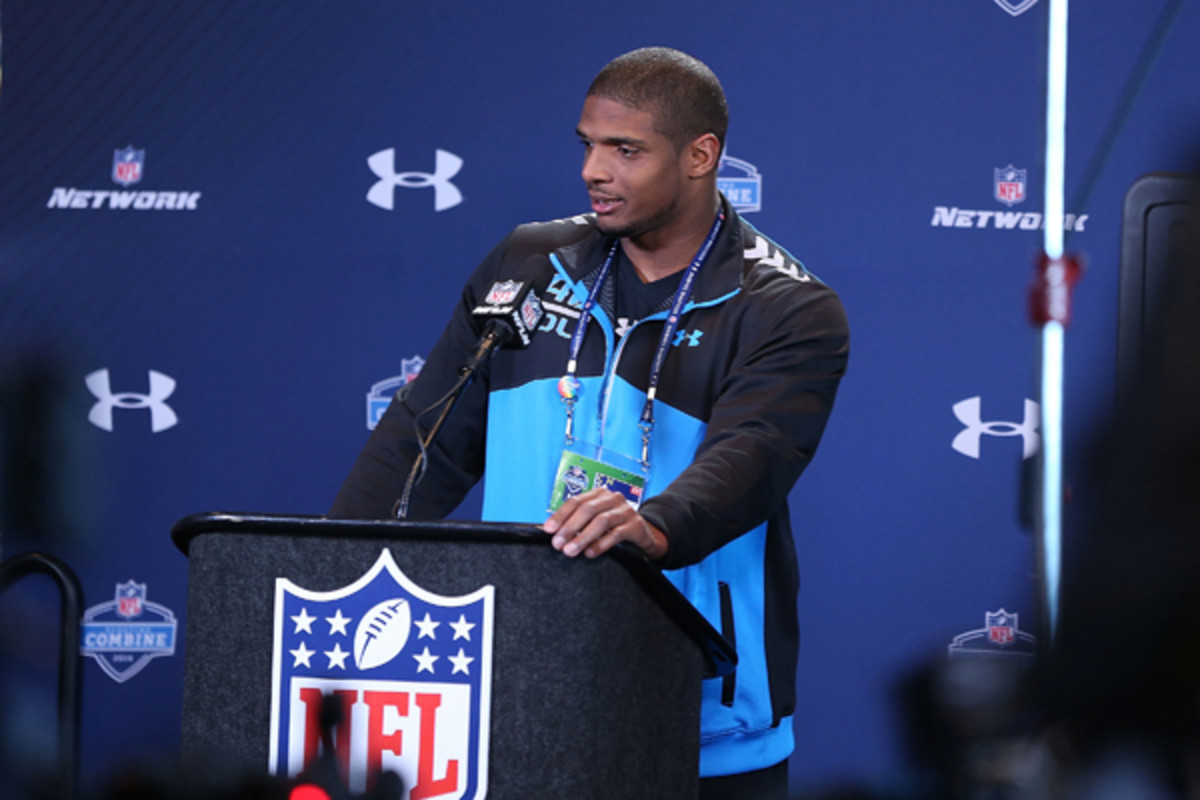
(745, 393)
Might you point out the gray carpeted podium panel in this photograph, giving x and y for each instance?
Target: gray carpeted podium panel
(595, 689)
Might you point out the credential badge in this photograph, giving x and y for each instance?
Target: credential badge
(411, 669)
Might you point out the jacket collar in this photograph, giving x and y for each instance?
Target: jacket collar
(720, 276)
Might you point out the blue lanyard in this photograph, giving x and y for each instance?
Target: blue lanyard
(568, 385)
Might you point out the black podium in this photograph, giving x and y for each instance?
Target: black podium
(594, 666)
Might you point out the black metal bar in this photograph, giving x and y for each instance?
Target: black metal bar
(69, 663)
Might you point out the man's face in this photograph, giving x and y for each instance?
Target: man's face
(634, 175)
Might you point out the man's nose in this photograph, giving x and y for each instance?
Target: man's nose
(594, 170)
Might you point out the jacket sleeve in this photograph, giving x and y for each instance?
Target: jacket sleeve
(766, 422)
(455, 460)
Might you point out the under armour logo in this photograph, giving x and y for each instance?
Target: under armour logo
(692, 338)
(445, 194)
(967, 441)
(161, 387)
(1016, 7)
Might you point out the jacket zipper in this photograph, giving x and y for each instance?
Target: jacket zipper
(729, 682)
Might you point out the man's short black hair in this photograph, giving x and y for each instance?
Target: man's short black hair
(680, 91)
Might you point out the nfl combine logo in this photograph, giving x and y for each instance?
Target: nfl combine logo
(575, 479)
(127, 166)
(741, 182)
(128, 632)
(1000, 636)
(411, 670)
(381, 394)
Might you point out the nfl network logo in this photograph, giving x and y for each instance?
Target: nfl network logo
(127, 165)
(411, 670)
(381, 394)
(128, 632)
(1009, 185)
(743, 187)
(999, 636)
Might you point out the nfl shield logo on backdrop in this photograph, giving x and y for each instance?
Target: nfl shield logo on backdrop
(410, 668)
(1001, 627)
(127, 166)
(410, 368)
(129, 599)
(1009, 185)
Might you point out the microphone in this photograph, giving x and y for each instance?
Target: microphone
(510, 313)
(513, 304)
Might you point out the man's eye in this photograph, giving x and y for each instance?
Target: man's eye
(626, 151)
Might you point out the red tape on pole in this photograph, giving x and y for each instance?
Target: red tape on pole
(1050, 294)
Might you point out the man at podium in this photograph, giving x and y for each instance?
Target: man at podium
(671, 375)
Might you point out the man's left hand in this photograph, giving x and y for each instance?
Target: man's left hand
(591, 523)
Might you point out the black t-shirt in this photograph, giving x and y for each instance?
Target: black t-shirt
(636, 300)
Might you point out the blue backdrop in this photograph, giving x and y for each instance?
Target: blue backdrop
(189, 261)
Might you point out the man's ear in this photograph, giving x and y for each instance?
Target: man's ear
(703, 156)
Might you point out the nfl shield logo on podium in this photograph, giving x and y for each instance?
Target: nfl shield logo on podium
(410, 669)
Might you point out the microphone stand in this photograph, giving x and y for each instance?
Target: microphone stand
(495, 334)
